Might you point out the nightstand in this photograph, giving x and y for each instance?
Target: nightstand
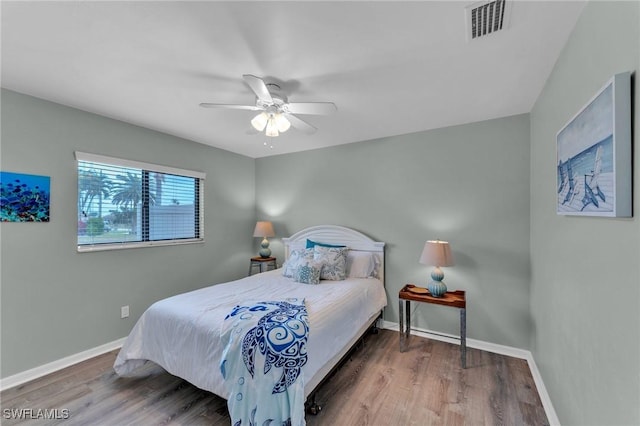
(263, 264)
(454, 299)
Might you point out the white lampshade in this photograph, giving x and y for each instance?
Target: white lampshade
(260, 121)
(272, 127)
(263, 229)
(436, 253)
(282, 123)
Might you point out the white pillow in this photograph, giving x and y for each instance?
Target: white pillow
(295, 258)
(334, 260)
(361, 264)
(308, 272)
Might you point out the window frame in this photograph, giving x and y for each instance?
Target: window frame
(148, 167)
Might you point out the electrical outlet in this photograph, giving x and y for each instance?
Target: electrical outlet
(124, 311)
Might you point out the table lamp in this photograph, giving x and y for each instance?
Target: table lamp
(264, 229)
(437, 253)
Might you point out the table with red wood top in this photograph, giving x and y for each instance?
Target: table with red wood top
(455, 299)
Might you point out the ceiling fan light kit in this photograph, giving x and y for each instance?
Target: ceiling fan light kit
(272, 123)
(277, 113)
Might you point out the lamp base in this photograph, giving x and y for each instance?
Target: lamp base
(265, 251)
(437, 288)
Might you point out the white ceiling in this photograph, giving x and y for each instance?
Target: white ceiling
(390, 67)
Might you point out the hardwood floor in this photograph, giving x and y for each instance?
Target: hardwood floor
(377, 386)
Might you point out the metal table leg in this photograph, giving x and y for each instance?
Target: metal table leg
(404, 312)
(401, 315)
(407, 315)
(463, 337)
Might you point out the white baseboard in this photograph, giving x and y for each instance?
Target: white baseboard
(43, 370)
(494, 348)
(542, 391)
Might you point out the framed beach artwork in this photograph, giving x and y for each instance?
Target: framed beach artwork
(24, 198)
(594, 155)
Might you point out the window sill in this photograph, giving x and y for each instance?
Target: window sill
(140, 244)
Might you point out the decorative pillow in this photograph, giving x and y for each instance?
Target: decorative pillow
(312, 244)
(361, 264)
(295, 258)
(308, 272)
(335, 262)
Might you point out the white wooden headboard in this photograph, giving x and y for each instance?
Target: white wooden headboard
(334, 234)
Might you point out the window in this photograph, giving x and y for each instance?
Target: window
(126, 204)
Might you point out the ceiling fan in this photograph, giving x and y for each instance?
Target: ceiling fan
(277, 114)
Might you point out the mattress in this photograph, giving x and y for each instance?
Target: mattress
(182, 333)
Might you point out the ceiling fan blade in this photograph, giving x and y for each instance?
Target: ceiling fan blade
(312, 108)
(300, 124)
(258, 87)
(231, 106)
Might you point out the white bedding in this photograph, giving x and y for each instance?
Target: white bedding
(181, 333)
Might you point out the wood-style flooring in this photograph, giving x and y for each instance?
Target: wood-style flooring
(378, 386)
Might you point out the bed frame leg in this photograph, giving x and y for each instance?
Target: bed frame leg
(374, 327)
(312, 406)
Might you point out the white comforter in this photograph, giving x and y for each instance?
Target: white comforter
(182, 333)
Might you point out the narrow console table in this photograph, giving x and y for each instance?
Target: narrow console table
(455, 299)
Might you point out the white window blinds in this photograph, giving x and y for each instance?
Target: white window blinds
(124, 204)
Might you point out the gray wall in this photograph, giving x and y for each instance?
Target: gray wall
(586, 271)
(57, 302)
(467, 184)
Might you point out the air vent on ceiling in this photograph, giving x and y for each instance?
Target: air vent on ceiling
(486, 18)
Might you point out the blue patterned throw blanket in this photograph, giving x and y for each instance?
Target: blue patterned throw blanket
(265, 350)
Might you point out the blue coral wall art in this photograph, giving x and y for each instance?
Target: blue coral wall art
(24, 198)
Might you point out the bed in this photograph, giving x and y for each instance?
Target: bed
(185, 334)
